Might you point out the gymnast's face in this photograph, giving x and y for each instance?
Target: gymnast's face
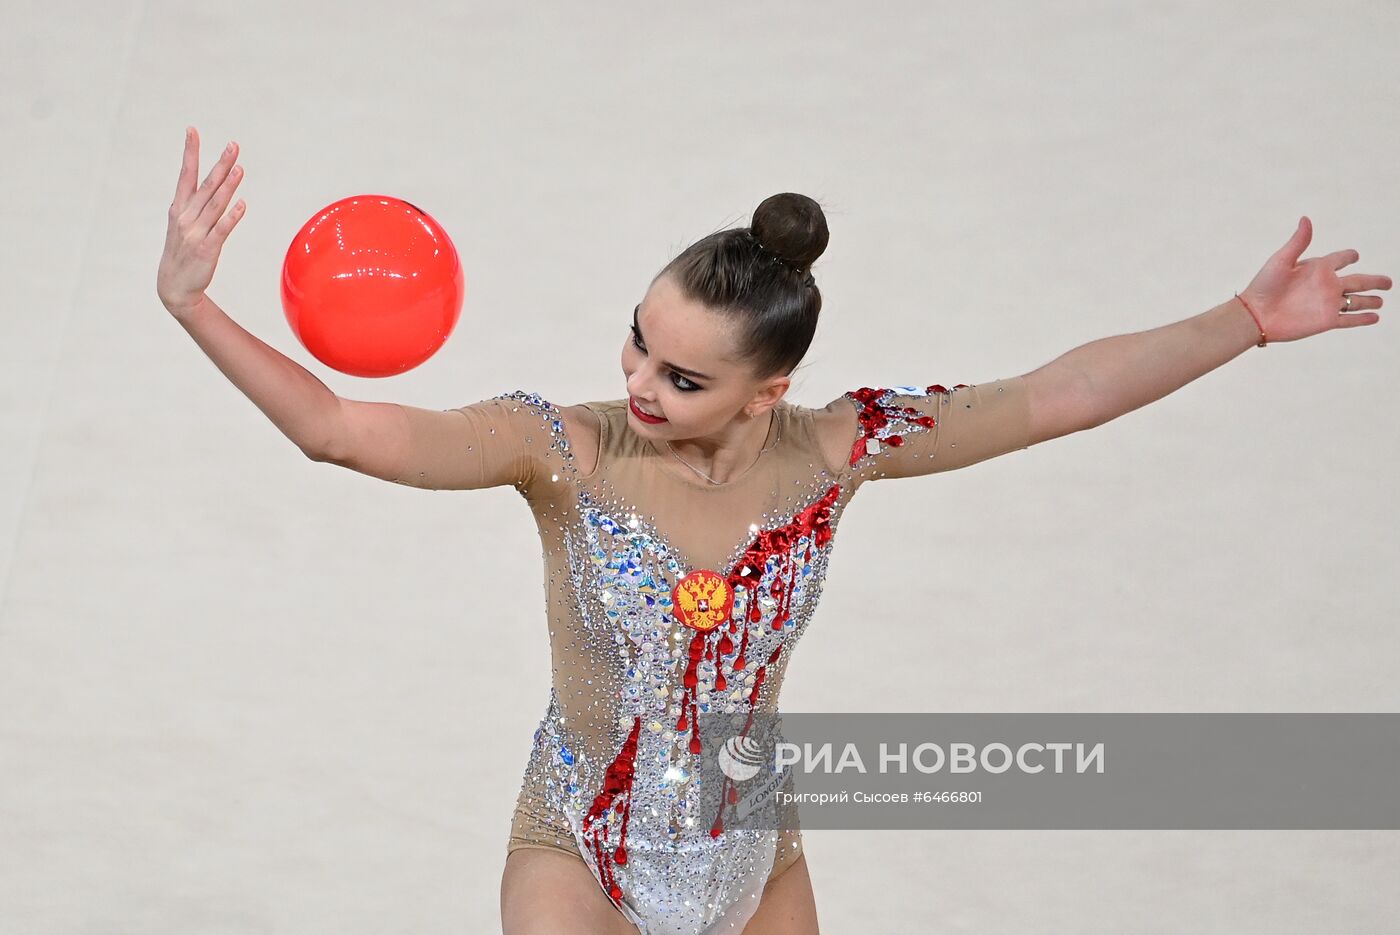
(679, 361)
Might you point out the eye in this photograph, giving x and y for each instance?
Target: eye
(688, 387)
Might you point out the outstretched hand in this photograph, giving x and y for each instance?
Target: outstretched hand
(1296, 299)
(197, 226)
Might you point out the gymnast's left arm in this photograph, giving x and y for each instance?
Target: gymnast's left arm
(1287, 300)
(907, 431)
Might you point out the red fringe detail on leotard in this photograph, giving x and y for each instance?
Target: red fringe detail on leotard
(617, 784)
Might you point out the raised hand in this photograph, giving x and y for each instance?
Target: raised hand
(1296, 299)
(197, 227)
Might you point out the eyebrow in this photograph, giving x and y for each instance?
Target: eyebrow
(681, 370)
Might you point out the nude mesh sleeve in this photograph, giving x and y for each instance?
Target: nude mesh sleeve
(490, 443)
(907, 431)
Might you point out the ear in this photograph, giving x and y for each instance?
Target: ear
(771, 392)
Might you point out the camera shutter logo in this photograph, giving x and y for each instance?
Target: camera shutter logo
(741, 757)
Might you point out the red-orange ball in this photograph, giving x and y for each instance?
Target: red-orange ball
(372, 285)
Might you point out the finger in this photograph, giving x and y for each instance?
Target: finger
(1360, 282)
(1351, 321)
(1339, 258)
(227, 222)
(217, 173)
(1359, 300)
(1294, 247)
(216, 205)
(189, 168)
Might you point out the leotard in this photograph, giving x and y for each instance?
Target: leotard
(631, 539)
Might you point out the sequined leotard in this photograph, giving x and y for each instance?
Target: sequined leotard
(623, 544)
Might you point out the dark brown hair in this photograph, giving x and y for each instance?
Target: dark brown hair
(760, 278)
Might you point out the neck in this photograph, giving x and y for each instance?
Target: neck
(725, 456)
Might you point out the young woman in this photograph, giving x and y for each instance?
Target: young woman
(687, 526)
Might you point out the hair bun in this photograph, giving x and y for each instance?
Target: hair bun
(792, 227)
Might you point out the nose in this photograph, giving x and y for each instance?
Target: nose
(636, 385)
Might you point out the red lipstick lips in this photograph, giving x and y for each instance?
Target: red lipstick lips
(649, 420)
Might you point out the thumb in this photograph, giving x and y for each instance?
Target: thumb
(1293, 249)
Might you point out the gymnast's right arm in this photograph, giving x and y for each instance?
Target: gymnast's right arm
(486, 444)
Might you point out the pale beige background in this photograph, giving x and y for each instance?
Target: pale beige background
(242, 692)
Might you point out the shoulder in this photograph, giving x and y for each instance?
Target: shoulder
(578, 426)
(586, 425)
(833, 428)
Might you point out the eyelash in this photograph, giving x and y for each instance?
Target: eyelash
(636, 342)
